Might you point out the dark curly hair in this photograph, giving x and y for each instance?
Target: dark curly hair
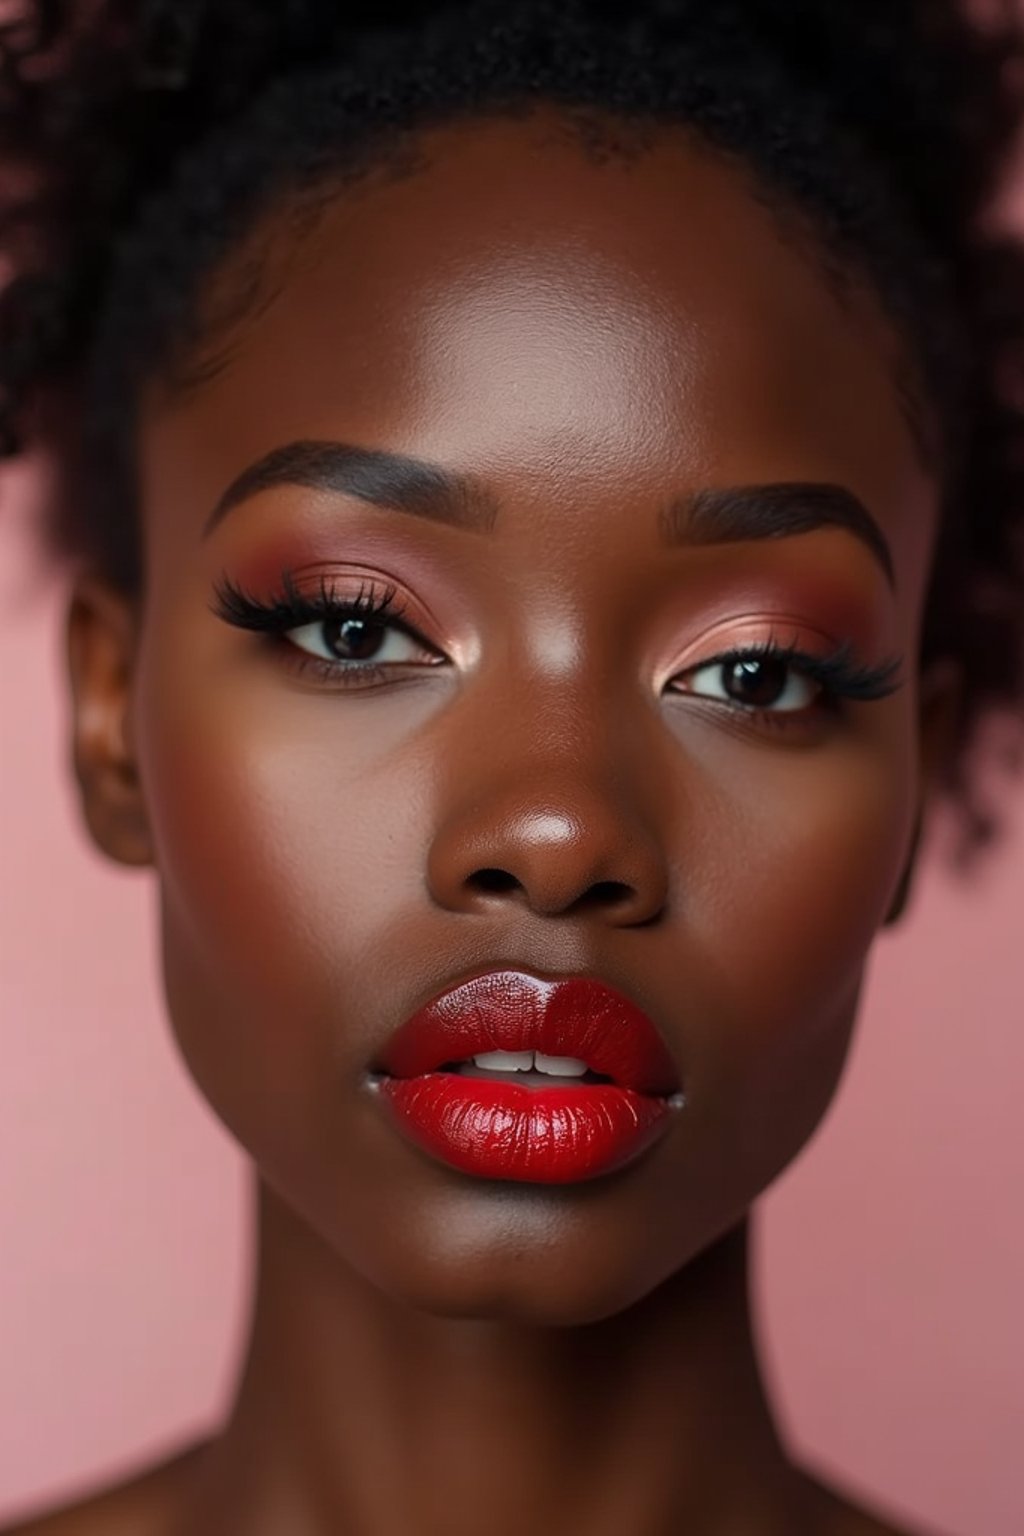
(141, 141)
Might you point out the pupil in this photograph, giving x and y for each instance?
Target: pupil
(352, 639)
(756, 682)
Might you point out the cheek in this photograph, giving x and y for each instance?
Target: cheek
(822, 854)
(285, 838)
(805, 852)
(277, 820)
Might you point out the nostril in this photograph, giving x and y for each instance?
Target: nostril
(606, 893)
(494, 880)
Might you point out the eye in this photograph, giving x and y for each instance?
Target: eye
(344, 638)
(756, 681)
(354, 639)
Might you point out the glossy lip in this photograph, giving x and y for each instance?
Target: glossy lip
(512, 1011)
(498, 1129)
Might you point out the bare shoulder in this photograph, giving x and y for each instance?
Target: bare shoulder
(859, 1522)
(141, 1505)
(839, 1514)
(147, 1504)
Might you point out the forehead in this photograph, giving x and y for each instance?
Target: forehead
(519, 304)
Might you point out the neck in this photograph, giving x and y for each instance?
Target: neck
(354, 1413)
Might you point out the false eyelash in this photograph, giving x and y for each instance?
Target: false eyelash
(295, 608)
(839, 675)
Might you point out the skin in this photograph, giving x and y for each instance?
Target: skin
(432, 1353)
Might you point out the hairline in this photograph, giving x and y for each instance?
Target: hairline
(389, 156)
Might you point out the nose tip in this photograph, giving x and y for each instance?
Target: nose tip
(554, 860)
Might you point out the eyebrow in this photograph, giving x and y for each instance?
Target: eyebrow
(774, 511)
(414, 486)
(392, 480)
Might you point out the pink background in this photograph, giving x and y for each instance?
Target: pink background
(890, 1255)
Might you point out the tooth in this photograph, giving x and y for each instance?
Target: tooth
(505, 1061)
(560, 1066)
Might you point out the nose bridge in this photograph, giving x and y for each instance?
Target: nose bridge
(567, 715)
(554, 793)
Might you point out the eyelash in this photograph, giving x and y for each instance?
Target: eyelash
(293, 608)
(838, 674)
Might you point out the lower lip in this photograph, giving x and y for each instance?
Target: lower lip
(496, 1130)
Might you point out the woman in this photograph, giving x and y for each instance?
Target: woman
(540, 491)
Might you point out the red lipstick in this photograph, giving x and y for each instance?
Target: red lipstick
(604, 1092)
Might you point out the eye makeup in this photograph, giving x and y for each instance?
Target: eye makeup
(756, 679)
(351, 617)
(752, 678)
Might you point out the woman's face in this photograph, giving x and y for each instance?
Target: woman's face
(554, 778)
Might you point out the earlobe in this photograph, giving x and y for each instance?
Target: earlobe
(101, 640)
(941, 694)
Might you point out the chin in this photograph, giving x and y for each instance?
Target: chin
(517, 1253)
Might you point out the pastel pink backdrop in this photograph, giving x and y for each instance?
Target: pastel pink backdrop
(890, 1255)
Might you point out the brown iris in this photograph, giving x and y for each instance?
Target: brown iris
(353, 639)
(755, 681)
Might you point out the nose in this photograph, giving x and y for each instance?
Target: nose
(555, 817)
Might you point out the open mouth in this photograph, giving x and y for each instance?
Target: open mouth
(508, 1076)
(530, 1068)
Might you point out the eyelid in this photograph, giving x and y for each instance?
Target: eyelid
(726, 637)
(322, 588)
(343, 583)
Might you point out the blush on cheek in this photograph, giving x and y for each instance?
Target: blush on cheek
(214, 871)
(814, 860)
(802, 887)
(218, 856)
(246, 991)
(283, 848)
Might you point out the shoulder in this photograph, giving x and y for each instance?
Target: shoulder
(837, 1514)
(142, 1505)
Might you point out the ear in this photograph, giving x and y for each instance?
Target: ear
(101, 640)
(941, 696)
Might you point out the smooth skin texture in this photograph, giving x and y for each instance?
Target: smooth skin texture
(549, 782)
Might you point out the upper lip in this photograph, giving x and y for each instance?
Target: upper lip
(510, 1010)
